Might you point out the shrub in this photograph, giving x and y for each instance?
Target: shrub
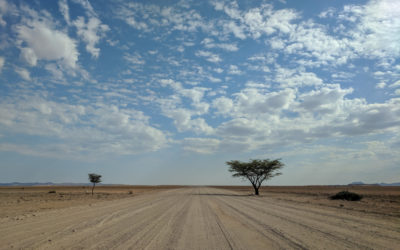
(346, 195)
(52, 191)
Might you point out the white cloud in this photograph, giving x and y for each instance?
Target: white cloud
(91, 32)
(211, 57)
(23, 73)
(251, 84)
(183, 120)
(201, 145)
(292, 78)
(374, 36)
(183, 117)
(209, 43)
(380, 85)
(395, 84)
(5, 9)
(256, 22)
(29, 56)
(134, 58)
(238, 31)
(266, 21)
(327, 99)
(78, 130)
(46, 43)
(55, 71)
(213, 79)
(64, 9)
(2, 61)
(327, 13)
(253, 101)
(242, 127)
(223, 105)
(362, 31)
(87, 6)
(138, 25)
(148, 17)
(259, 119)
(234, 70)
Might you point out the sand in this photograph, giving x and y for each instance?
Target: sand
(200, 218)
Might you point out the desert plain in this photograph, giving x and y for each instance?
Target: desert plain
(197, 217)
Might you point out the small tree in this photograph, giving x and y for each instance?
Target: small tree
(94, 178)
(256, 171)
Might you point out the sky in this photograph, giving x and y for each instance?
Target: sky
(165, 92)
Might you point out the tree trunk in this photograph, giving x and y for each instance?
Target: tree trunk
(93, 188)
(255, 190)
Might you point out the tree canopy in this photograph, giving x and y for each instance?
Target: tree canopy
(256, 171)
(94, 178)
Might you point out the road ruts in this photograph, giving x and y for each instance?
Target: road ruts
(200, 218)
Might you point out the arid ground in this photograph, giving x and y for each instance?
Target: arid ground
(173, 217)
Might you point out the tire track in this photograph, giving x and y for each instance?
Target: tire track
(334, 239)
(336, 223)
(199, 218)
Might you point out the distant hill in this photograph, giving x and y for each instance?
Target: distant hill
(376, 184)
(389, 184)
(357, 183)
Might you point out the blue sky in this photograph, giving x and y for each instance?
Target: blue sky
(165, 92)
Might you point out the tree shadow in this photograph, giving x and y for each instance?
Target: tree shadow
(216, 194)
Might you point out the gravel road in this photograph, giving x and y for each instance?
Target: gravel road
(201, 218)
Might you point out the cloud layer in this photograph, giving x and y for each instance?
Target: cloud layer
(86, 79)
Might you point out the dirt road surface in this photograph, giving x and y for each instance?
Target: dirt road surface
(200, 218)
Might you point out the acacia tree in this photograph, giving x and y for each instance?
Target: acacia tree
(94, 178)
(256, 171)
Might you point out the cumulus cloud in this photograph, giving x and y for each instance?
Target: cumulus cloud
(223, 105)
(243, 104)
(253, 102)
(242, 127)
(259, 119)
(46, 43)
(325, 99)
(80, 130)
(373, 35)
(255, 22)
(183, 117)
(293, 78)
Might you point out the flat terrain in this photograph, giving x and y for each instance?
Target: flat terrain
(18, 202)
(383, 200)
(202, 218)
